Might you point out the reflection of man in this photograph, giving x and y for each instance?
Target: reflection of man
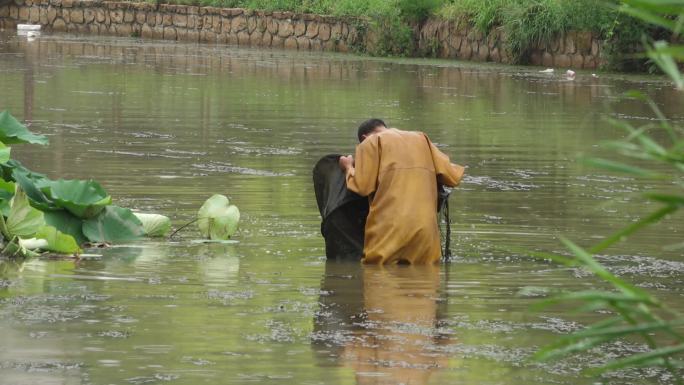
(384, 328)
(398, 170)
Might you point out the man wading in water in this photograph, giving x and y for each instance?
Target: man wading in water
(398, 171)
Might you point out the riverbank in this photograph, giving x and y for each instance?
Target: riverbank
(437, 36)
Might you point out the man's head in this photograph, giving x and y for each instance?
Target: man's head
(370, 127)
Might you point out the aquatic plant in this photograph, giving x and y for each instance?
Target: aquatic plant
(217, 219)
(658, 147)
(57, 216)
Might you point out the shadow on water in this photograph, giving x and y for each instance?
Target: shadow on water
(381, 321)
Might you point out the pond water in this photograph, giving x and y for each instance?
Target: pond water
(163, 126)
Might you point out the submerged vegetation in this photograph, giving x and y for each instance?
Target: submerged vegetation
(58, 216)
(526, 23)
(658, 149)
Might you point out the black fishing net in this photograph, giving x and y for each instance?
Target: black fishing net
(344, 212)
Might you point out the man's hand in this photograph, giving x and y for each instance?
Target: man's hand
(346, 162)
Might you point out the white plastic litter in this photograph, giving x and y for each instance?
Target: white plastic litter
(28, 27)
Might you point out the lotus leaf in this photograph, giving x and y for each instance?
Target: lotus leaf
(57, 241)
(23, 220)
(6, 193)
(4, 153)
(113, 224)
(30, 182)
(83, 198)
(155, 225)
(12, 131)
(67, 223)
(217, 219)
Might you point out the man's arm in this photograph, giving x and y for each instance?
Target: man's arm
(448, 174)
(362, 172)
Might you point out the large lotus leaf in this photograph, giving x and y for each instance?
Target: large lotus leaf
(155, 225)
(67, 223)
(57, 241)
(4, 153)
(217, 219)
(31, 183)
(23, 220)
(113, 224)
(83, 198)
(6, 194)
(12, 131)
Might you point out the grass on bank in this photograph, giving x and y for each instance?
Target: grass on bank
(526, 23)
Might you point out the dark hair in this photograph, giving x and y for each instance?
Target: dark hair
(368, 126)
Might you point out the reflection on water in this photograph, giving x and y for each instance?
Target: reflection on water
(165, 125)
(381, 322)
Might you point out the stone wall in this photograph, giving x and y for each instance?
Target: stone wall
(437, 38)
(185, 23)
(452, 40)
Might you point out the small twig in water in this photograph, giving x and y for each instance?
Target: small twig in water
(184, 226)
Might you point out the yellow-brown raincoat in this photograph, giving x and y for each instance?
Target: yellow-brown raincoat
(398, 171)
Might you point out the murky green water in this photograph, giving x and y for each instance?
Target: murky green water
(163, 126)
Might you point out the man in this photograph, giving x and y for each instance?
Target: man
(398, 171)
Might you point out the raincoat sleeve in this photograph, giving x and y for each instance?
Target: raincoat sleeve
(363, 177)
(448, 174)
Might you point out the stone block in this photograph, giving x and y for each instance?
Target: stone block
(94, 29)
(237, 11)
(536, 58)
(329, 46)
(455, 42)
(181, 34)
(170, 33)
(146, 32)
(4, 11)
(141, 17)
(194, 21)
(494, 55)
(216, 23)
(232, 39)
(570, 43)
(67, 3)
(23, 13)
(180, 20)
(129, 16)
(291, 43)
(342, 46)
(124, 30)
(255, 38)
(324, 32)
(34, 15)
(239, 23)
(243, 38)
(89, 15)
(285, 29)
(547, 59)
(226, 26)
(193, 10)
(272, 26)
(116, 16)
(266, 39)
(13, 12)
(577, 61)
(277, 42)
(251, 24)
(261, 24)
(59, 25)
(303, 43)
(562, 61)
(300, 28)
(583, 42)
(595, 48)
(192, 36)
(466, 50)
(158, 19)
(336, 32)
(167, 19)
(312, 30)
(158, 32)
(99, 15)
(76, 16)
(43, 16)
